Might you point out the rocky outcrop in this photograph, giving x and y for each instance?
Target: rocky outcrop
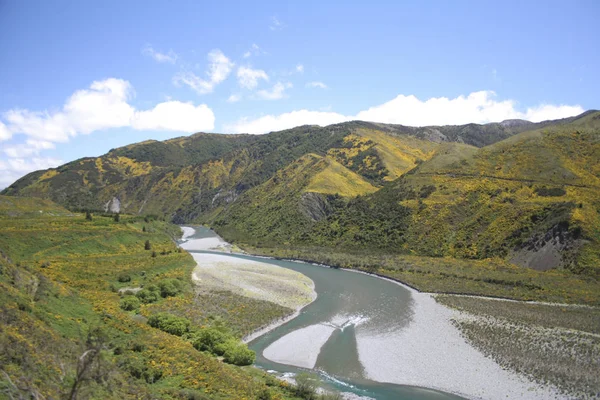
(113, 205)
(314, 206)
(547, 251)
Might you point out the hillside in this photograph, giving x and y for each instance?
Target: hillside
(188, 176)
(531, 199)
(522, 192)
(65, 304)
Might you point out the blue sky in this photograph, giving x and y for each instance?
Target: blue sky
(78, 78)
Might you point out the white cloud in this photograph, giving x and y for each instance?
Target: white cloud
(30, 147)
(546, 112)
(175, 116)
(276, 92)
(248, 78)
(169, 57)
(300, 68)
(5, 134)
(103, 106)
(478, 107)
(276, 24)
(316, 84)
(14, 168)
(219, 68)
(292, 119)
(254, 50)
(234, 98)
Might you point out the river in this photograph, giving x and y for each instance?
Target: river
(370, 336)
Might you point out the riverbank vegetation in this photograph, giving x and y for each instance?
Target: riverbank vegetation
(491, 277)
(72, 323)
(549, 343)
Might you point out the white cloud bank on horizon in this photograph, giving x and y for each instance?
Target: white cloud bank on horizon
(15, 168)
(478, 107)
(104, 105)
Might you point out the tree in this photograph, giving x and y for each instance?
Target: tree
(147, 245)
(90, 365)
(88, 216)
(144, 228)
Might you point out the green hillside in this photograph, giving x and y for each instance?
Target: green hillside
(531, 200)
(64, 305)
(523, 193)
(186, 177)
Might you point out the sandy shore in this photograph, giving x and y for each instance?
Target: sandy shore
(301, 347)
(430, 352)
(210, 243)
(253, 279)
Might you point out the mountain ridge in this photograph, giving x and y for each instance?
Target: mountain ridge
(418, 187)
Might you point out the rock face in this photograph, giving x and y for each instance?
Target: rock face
(314, 206)
(113, 205)
(547, 251)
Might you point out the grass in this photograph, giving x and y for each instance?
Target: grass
(337, 179)
(59, 281)
(551, 344)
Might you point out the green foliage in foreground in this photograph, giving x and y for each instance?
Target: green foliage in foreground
(59, 282)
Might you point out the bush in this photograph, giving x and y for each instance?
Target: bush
(238, 353)
(150, 294)
(130, 303)
(124, 278)
(550, 192)
(264, 395)
(209, 339)
(170, 287)
(147, 245)
(170, 323)
(306, 386)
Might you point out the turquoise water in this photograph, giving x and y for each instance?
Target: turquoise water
(359, 304)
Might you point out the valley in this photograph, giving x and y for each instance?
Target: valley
(464, 262)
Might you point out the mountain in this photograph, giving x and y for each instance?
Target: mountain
(525, 192)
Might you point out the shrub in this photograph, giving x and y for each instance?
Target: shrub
(130, 303)
(117, 217)
(209, 339)
(265, 394)
(124, 278)
(238, 353)
(147, 245)
(170, 287)
(153, 254)
(169, 323)
(306, 386)
(550, 192)
(150, 294)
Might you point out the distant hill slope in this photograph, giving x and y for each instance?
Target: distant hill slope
(533, 199)
(518, 190)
